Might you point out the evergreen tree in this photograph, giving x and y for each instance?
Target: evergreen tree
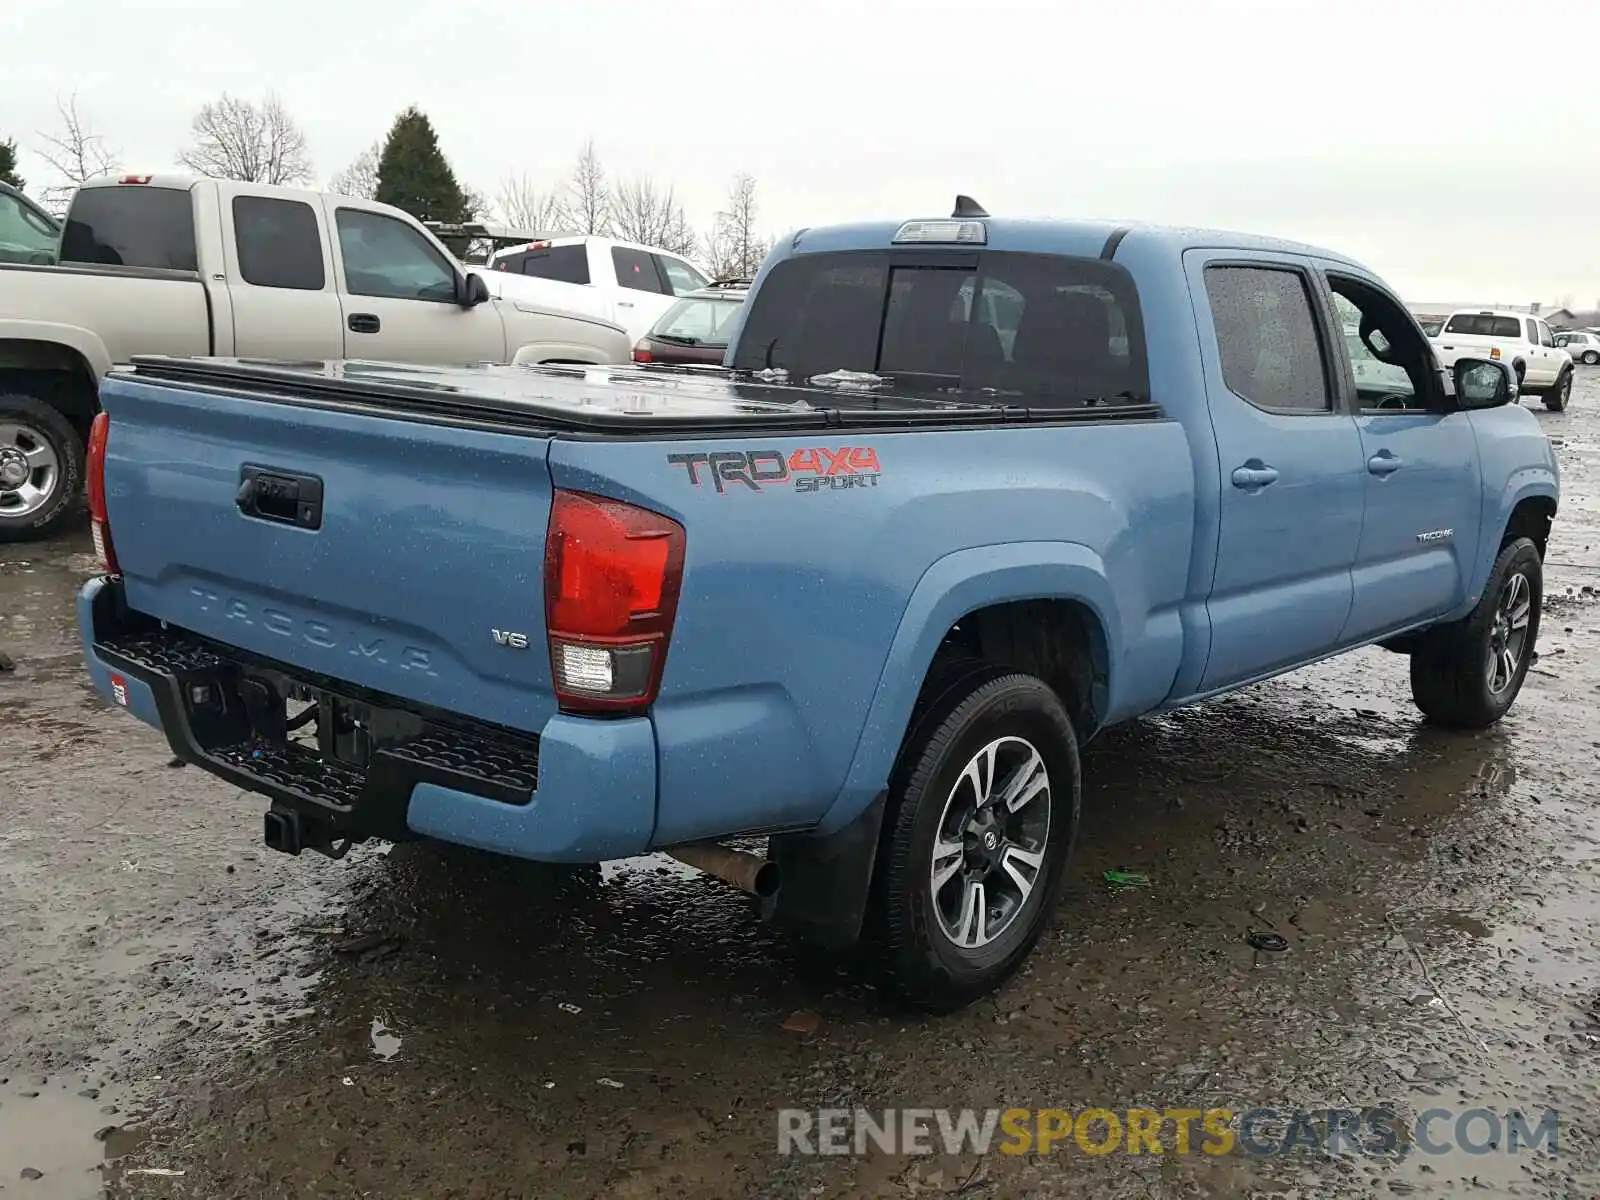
(8, 164)
(414, 174)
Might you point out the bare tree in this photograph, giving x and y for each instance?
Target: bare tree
(734, 247)
(254, 143)
(521, 204)
(360, 178)
(680, 237)
(477, 207)
(588, 201)
(643, 212)
(76, 152)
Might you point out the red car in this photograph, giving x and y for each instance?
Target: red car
(695, 330)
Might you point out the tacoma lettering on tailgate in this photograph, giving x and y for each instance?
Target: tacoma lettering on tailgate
(812, 470)
(321, 634)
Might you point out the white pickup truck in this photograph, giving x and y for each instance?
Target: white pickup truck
(625, 282)
(1527, 343)
(184, 266)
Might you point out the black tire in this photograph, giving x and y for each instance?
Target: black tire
(973, 709)
(1450, 672)
(41, 423)
(1591, 357)
(1556, 398)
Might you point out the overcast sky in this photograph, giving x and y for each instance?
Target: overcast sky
(1452, 145)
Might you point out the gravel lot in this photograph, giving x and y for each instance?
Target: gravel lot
(420, 1022)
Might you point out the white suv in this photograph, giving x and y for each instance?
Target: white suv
(622, 282)
(1527, 343)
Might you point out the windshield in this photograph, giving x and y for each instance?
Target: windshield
(26, 236)
(999, 327)
(1431, 328)
(702, 321)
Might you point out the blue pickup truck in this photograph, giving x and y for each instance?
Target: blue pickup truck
(971, 490)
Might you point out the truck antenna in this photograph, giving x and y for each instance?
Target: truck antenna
(966, 206)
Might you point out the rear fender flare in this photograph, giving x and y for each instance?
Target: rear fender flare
(954, 586)
(42, 343)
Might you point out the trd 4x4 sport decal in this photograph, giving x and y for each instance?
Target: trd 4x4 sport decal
(817, 470)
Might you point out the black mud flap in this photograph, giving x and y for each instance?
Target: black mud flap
(827, 880)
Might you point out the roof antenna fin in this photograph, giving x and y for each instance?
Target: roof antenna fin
(966, 206)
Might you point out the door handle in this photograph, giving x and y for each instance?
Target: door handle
(364, 323)
(1254, 475)
(284, 497)
(1384, 463)
(624, 303)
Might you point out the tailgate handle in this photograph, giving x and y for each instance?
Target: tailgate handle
(280, 496)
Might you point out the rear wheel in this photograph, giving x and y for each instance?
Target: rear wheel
(1556, 398)
(41, 469)
(1591, 357)
(983, 813)
(1467, 675)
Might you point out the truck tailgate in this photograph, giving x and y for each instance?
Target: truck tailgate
(425, 540)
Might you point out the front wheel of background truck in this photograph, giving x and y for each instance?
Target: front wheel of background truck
(981, 819)
(1556, 398)
(1467, 675)
(41, 469)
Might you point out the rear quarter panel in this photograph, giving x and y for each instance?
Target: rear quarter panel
(124, 313)
(809, 615)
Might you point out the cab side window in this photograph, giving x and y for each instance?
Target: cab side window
(279, 243)
(636, 270)
(387, 258)
(1267, 335)
(1390, 360)
(681, 277)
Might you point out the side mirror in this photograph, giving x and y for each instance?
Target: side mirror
(471, 291)
(1483, 383)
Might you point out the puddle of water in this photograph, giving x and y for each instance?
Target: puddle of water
(63, 1134)
(385, 1041)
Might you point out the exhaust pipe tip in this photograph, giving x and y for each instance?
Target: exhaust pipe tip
(767, 880)
(747, 872)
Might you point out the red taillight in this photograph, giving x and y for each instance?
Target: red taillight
(611, 577)
(640, 354)
(136, 178)
(99, 523)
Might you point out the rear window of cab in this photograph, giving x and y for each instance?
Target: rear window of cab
(1000, 327)
(1484, 325)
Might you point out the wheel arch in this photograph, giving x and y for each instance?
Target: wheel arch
(994, 597)
(1526, 509)
(70, 360)
(1531, 517)
(1028, 605)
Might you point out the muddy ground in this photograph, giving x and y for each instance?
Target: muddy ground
(412, 1022)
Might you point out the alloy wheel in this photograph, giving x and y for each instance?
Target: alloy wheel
(989, 848)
